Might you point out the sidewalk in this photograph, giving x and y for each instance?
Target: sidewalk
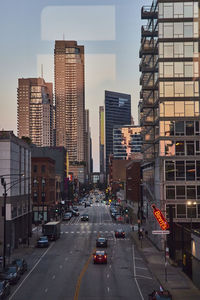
(179, 285)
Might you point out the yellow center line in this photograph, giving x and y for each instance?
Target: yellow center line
(78, 285)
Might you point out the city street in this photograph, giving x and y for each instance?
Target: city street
(65, 270)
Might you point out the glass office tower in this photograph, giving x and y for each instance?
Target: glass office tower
(169, 110)
(117, 112)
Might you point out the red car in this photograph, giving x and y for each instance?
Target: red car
(119, 233)
(100, 257)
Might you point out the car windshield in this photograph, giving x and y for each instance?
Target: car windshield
(101, 239)
(43, 238)
(100, 252)
(17, 262)
(11, 270)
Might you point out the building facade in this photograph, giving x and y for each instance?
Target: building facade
(169, 110)
(15, 169)
(70, 98)
(35, 110)
(88, 153)
(117, 112)
(127, 141)
(101, 140)
(43, 188)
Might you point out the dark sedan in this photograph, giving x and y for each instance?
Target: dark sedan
(4, 289)
(84, 217)
(67, 216)
(21, 263)
(43, 242)
(101, 242)
(119, 233)
(11, 274)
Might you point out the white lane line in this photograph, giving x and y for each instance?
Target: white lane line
(61, 266)
(72, 231)
(17, 289)
(134, 273)
(110, 266)
(95, 231)
(71, 252)
(138, 258)
(108, 275)
(66, 258)
(66, 232)
(46, 290)
(141, 268)
(147, 277)
(89, 232)
(78, 232)
(108, 289)
(53, 277)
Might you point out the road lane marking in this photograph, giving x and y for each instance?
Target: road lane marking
(134, 273)
(46, 290)
(17, 289)
(108, 275)
(78, 284)
(141, 268)
(108, 289)
(147, 277)
(66, 258)
(53, 277)
(61, 266)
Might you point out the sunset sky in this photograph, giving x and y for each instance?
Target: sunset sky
(109, 30)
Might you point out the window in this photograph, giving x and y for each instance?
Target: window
(190, 170)
(43, 168)
(169, 170)
(180, 170)
(188, 10)
(170, 192)
(180, 148)
(168, 10)
(181, 211)
(35, 168)
(180, 192)
(198, 192)
(191, 192)
(178, 10)
(191, 211)
(189, 147)
(198, 169)
(197, 131)
(189, 128)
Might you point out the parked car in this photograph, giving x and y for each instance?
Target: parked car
(119, 233)
(67, 216)
(4, 289)
(84, 217)
(75, 208)
(160, 295)
(43, 242)
(101, 242)
(100, 257)
(21, 263)
(11, 274)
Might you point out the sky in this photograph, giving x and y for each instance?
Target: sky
(108, 29)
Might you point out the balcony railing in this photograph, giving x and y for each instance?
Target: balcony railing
(149, 12)
(148, 31)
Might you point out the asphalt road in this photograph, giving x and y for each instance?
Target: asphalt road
(65, 270)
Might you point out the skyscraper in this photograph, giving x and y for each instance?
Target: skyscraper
(117, 112)
(88, 153)
(70, 98)
(101, 139)
(35, 110)
(170, 111)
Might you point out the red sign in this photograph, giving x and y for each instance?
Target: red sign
(160, 218)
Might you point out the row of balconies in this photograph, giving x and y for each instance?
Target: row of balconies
(148, 47)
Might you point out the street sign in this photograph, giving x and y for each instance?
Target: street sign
(160, 232)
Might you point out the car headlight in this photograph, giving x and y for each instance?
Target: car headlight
(15, 274)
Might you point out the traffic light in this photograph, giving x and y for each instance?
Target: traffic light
(126, 210)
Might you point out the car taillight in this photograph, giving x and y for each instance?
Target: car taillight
(105, 256)
(95, 256)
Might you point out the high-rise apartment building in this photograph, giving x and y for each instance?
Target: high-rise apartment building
(170, 110)
(87, 145)
(70, 98)
(101, 139)
(117, 112)
(127, 141)
(35, 110)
